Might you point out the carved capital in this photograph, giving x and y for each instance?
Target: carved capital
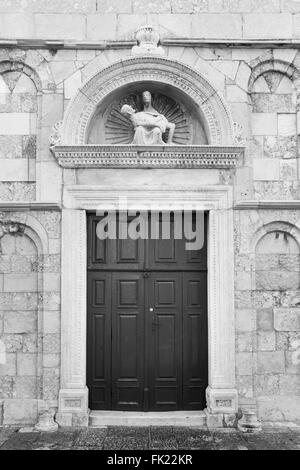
(9, 227)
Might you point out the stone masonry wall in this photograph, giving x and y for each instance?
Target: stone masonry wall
(29, 319)
(95, 20)
(36, 86)
(267, 312)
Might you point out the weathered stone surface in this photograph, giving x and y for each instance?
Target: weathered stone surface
(9, 368)
(288, 170)
(20, 412)
(7, 387)
(50, 300)
(21, 264)
(47, 264)
(244, 364)
(282, 190)
(51, 384)
(289, 385)
(270, 362)
(189, 6)
(280, 147)
(265, 319)
(51, 322)
(266, 341)
(17, 191)
(20, 322)
(30, 343)
(259, 25)
(265, 385)
(277, 280)
(60, 26)
(26, 387)
(244, 342)
(51, 360)
(245, 386)
(270, 103)
(20, 283)
(281, 408)
(13, 343)
(287, 319)
(245, 320)
(26, 364)
(51, 222)
(51, 344)
(292, 361)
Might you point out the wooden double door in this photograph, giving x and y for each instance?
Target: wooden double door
(147, 324)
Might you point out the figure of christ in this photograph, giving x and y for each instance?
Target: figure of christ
(149, 125)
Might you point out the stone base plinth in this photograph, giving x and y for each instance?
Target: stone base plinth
(221, 401)
(73, 408)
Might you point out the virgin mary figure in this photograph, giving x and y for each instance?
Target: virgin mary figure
(149, 125)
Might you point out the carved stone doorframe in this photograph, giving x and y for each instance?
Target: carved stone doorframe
(221, 392)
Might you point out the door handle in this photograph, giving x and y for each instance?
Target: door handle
(146, 275)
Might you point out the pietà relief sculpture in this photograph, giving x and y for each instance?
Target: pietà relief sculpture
(149, 125)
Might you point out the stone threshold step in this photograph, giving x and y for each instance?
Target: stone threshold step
(126, 418)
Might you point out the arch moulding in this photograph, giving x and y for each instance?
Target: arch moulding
(216, 116)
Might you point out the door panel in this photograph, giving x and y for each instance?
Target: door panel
(195, 363)
(147, 324)
(127, 340)
(99, 339)
(165, 347)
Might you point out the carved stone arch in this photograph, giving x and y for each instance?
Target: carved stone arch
(15, 66)
(280, 66)
(190, 83)
(276, 226)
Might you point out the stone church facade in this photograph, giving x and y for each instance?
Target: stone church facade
(228, 73)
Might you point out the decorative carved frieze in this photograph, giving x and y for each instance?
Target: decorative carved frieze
(129, 156)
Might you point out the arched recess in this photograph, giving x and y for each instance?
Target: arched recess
(15, 66)
(30, 233)
(275, 226)
(216, 118)
(271, 65)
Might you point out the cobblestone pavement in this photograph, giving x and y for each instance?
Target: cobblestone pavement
(153, 438)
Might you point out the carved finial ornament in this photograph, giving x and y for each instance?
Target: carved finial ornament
(147, 41)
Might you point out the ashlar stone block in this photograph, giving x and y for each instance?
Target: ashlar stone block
(18, 322)
(287, 319)
(245, 320)
(60, 26)
(9, 368)
(26, 364)
(270, 362)
(266, 341)
(264, 123)
(267, 25)
(20, 411)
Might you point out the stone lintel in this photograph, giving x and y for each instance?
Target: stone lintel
(129, 156)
